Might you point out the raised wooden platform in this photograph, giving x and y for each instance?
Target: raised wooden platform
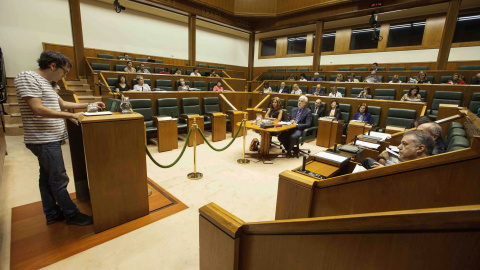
(35, 245)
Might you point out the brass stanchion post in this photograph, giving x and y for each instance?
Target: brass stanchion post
(195, 175)
(243, 160)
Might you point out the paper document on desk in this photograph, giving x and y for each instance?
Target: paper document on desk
(283, 123)
(97, 113)
(384, 136)
(367, 144)
(359, 168)
(329, 156)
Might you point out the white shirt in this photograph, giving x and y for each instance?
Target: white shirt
(298, 92)
(193, 74)
(267, 90)
(281, 90)
(145, 87)
(338, 94)
(354, 80)
(303, 79)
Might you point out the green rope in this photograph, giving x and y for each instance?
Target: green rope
(178, 158)
(228, 145)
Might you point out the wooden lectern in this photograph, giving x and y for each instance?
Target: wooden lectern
(356, 128)
(167, 133)
(219, 126)
(199, 120)
(235, 117)
(329, 132)
(109, 166)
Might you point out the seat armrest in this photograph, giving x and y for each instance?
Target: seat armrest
(163, 118)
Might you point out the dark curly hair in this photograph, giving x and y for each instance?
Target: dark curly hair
(48, 57)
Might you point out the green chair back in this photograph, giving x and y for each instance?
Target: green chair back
(401, 118)
(164, 84)
(419, 68)
(386, 94)
(200, 85)
(397, 68)
(105, 56)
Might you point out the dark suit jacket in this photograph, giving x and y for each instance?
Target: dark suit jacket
(305, 118)
(320, 112)
(338, 113)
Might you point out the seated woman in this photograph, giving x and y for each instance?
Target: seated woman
(412, 95)
(291, 78)
(302, 77)
(422, 78)
(365, 93)
(296, 90)
(165, 71)
(129, 68)
(218, 87)
(182, 86)
(141, 86)
(178, 72)
(213, 74)
(334, 92)
(334, 111)
(122, 84)
(339, 78)
(195, 73)
(456, 79)
(395, 79)
(266, 87)
(351, 78)
(275, 110)
(363, 115)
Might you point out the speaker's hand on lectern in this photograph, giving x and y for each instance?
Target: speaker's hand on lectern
(100, 105)
(76, 115)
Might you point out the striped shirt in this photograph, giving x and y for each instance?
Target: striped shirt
(39, 129)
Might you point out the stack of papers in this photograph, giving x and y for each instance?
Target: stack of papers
(333, 157)
(368, 145)
(97, 113)
(384, 136)
(394, 148)
(283, 123)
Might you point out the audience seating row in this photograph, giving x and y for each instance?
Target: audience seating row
(466, 67)
(166, 84)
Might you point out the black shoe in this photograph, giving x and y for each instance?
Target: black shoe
(58, 217)
(80, 220)
(296, 152)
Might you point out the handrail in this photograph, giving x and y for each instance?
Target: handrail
(256, 78)
(424, 109)
(263, 101)
(258, 87)
(73, 92)
(225, 73)
(106, 83)
(228, 102)
(231, 88)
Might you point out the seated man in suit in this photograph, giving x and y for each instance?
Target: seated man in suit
(317, 91)
(435, 130)
(415, 144)
(283, 89)
(302, 117)
(317, 108)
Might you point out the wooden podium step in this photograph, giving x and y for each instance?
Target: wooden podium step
(35, 245)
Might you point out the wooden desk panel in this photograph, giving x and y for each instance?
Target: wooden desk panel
(329, 132)
(356, 128)
(235, 118)
(167, 135)
(219, 127)
(199, 121)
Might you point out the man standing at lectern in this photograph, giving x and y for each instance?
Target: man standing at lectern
(302, 117)
(43, 111)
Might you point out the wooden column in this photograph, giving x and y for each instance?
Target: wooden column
(317, 52)
(192, 39)
(77, 35)
(447, 35)
(251, 55)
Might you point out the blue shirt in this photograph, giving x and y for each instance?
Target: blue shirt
(299, 114)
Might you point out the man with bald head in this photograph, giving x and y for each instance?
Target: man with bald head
(435, 130)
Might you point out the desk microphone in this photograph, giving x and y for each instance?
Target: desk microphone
(335, 148)
(355, 140)
(304, 162)
(369, 132)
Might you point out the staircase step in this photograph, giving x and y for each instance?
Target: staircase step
(13, 129)
(87, 99)
(83, 92)
(11, 108)
(77, 82)
(11, 89)
(13, 119)
(78, 87)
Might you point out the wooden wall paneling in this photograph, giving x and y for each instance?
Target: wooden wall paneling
(447, 34)
(77, 36)
(431, 36)
(251, 56)
(237, 84)
(68, 52)
(317, 51)
(342, 41)
(293, 187)
(192, 30)
(282, 46)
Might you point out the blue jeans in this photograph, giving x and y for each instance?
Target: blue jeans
(53, 180)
